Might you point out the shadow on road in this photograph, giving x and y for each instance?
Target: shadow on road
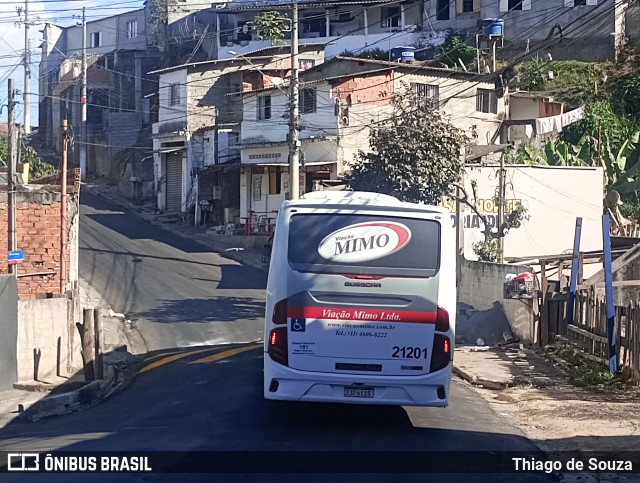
(138, 229)
(242, 277)
(210, 416)
(220, 309)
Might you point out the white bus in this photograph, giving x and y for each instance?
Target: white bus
(361, 301)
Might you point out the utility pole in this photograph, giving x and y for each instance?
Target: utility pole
(501, 196)
(63, 209)
(294, 141)
(11, 181)
(83, 100)
(27, 72)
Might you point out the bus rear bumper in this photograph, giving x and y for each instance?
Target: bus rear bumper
(286, 384)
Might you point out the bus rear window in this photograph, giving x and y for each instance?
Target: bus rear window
(364, 244)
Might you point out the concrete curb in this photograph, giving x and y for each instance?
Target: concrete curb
(118, 375)
(221, 251)
(478, 381)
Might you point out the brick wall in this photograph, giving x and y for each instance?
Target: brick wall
(38, 234)
(372, 88)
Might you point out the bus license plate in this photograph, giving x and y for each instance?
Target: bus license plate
(358, 392)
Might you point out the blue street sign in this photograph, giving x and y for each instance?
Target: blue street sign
(15, 256)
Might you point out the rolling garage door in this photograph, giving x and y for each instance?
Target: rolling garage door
(174, 182)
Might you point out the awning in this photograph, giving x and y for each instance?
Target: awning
(167, 150)
(320, 163)
(475, 151)
(286, 164)
(221, 167)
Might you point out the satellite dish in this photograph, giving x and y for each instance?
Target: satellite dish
(277, 81)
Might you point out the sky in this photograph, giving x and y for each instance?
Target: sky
(62, 13)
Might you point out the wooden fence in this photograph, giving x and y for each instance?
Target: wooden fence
(589, 330)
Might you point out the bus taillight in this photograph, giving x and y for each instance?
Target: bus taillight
(441, 352)
(280, 312)
(442, 320)
(278, 350)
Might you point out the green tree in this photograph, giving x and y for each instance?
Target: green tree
(377, 54)
(455, 49)
(490, 249)
(37, 167)
(415, 155)
(533, 74)
(270, 25)
(601, 118)
(625, 97)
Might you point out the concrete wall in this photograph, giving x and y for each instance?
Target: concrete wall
(482, 285)
(123, 129)
(38, 234)
(632, 23)
(143, 186)
(139, 42)
(524, 108)
(167, 112)
(458, 102)
(48, 342)
(108, 28)
(589, 32)
(553, 196)
(113, 34)
(8, 331)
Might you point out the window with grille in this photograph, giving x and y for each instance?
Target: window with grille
(486, 101)
(467, 6)
(308, 101)
(427, 95)
(132, 29)
(306, 64)
(96, 39)
(390, 17)
(174, 94)
(264, 107)
(275, 180)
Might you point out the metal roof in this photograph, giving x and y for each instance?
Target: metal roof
(240, 57)
(239, 6)
(384, 66)
(204, 62)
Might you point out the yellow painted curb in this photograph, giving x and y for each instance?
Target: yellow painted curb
(225, 354)
(172, 358)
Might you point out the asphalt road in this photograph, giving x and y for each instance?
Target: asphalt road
(190, 406)
(209, 398)
(177, 292)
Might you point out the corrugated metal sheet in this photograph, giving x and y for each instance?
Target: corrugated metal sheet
(277, 5)
(174, 182)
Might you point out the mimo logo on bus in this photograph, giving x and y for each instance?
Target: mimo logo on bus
(364, 242)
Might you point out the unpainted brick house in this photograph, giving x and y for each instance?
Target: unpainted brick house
(38, 234)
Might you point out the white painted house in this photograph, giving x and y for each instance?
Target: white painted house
(196, 157)
(339, 101)
(347, 25)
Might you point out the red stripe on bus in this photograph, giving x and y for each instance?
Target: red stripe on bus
(339, 313)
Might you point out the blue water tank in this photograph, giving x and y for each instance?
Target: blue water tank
(403, 54)
(493, 26)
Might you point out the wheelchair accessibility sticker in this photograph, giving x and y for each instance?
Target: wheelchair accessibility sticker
(298, 325)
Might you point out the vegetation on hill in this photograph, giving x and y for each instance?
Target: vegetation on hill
(608, 136)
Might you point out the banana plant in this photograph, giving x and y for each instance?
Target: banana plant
(620, 177)
(562, 153)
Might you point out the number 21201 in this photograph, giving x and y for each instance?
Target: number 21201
(409, 352)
